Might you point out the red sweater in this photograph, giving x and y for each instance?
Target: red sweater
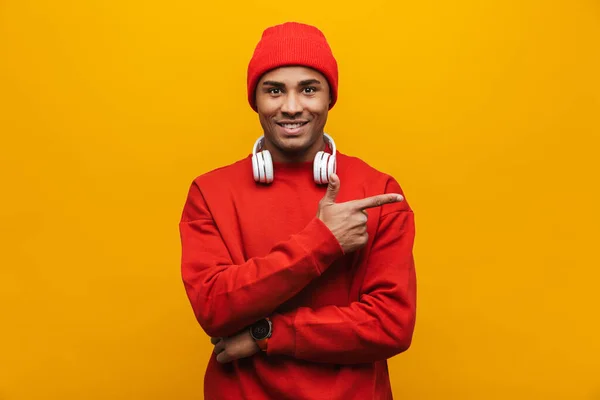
(251, 251)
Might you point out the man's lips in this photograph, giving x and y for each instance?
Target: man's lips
(291, 124)
(291, 127)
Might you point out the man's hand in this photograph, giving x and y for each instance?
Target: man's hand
(348, 221)
(235, 347)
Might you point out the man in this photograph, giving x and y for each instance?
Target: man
(303, 276)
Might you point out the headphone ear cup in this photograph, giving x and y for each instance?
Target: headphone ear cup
(331, 166)
(255, 168)
(323, 168)
(261, 167)
(268, 166)
(317, 167)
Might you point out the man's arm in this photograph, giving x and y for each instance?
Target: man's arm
(225, 296)
(379, 325)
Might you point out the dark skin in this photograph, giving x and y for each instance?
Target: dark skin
(300, 95)
(234, 347)
(293, 95)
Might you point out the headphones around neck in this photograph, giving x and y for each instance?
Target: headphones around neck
(324, 163)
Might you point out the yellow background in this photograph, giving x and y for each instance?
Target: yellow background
(487, 113)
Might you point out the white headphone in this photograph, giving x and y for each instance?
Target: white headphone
(323, 166)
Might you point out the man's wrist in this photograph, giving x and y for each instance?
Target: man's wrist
(261, 331)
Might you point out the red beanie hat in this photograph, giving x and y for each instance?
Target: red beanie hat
(292, 43)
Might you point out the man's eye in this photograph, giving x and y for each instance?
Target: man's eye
(310, 89)
(275, 91)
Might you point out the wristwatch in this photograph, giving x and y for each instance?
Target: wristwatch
(261, 331)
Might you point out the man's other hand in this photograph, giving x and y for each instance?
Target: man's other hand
(234, 347)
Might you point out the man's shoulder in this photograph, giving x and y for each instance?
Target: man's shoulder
(226, 174)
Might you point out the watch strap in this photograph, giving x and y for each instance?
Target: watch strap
(263, 344)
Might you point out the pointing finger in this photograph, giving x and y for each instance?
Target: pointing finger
(376, 201)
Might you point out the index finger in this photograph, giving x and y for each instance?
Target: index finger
(376, 201)
(215, 340)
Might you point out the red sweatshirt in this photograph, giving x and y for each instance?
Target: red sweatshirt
(251, 251)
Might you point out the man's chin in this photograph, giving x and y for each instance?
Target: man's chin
(294, 142)
(294, 146)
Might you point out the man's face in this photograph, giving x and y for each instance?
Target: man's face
(292, 104)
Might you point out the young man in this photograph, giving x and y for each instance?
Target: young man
(298, 260)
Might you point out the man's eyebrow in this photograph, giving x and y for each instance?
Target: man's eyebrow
(274, 83)
(309, 82)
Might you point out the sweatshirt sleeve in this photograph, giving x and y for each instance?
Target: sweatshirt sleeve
(379, 325)
(227, 297)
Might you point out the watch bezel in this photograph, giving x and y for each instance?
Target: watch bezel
(260, 323)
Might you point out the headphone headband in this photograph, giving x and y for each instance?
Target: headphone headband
(329, 140)
(260, 141)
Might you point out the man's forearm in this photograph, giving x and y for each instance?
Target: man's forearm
(227, 297)
(377, 326)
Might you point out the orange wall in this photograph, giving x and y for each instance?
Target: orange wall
(487, 112)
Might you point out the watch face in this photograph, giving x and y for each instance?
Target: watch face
(261, 330)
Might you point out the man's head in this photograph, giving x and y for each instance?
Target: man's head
(292, 79)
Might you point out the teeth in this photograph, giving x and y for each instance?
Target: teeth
(291, 126)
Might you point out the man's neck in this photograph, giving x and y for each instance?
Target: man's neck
(298, 157)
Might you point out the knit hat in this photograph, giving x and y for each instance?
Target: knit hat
(292, 43)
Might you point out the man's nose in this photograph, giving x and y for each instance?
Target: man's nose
(291, 104)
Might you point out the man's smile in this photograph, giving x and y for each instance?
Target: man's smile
(291, 124)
